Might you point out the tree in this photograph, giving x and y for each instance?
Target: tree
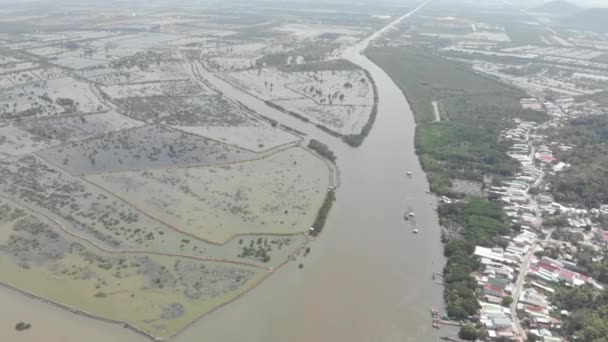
(532, 338)
(506, 301)
(22, 326)
(468, 333)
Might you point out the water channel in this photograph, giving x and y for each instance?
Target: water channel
(367, 278)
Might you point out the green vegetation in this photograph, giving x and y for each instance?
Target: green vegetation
(468, 333)
(22, 326)
(598, 269)
(322, 149)
(355, 140)
(474, 110)
(259, 253)
(479, 222)
(323, 212)
(586, 181)
(588, 317)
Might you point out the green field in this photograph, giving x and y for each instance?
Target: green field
(473, 109)
(480, 222)
(586, 181)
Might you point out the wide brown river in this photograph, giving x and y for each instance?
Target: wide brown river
(367, 278)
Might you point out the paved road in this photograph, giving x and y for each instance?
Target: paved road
(517, 291)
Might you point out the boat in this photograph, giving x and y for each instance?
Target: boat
(415, 231)
(411, 214)
(409, 173)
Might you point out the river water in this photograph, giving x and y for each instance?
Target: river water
(367, 278)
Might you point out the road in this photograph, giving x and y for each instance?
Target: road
(521, 279)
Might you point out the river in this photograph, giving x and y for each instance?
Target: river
(367, 278)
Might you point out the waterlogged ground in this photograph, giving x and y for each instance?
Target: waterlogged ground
(28, 136)
(140, 149)
(274, 195)
(155, 294)
(340, 100)
(133, 189)
(106, 220)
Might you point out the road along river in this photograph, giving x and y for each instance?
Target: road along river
(367, 278)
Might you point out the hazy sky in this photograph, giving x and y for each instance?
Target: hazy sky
(524, 3)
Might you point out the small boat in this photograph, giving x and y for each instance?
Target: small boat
(409, 173)
(415, 231)
(411, 214)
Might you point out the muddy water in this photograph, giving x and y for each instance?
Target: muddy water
(50, 324)
(368, 278)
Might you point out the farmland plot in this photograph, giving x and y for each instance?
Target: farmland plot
(158, 295)
(267, 83)
(254, 135)
(27, 136)
(276, 195)
(170, 88)
(142, 148)
(185, 111)
(164, 72)
(343, 119)
(340, 100)
(49, 98)
(77, 63)
(92, 214)
(337, 87)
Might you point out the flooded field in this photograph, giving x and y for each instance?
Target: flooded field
(33, 135)
(148, 147)
(129, 212)
(185, 111)
(48, 98)
(155, 294)
(148, 89)
(340, 100)
(274, 195)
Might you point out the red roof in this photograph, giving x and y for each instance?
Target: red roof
(534, 308)
(548, 158)
(567, 274)
(492, 288)
(548, 266)
(605, 235)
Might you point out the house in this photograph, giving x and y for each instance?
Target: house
(500, 283)
(491, 290)
(501, 323)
